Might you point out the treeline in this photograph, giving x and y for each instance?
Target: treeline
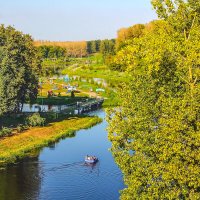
(93, 46)
(74, 49)
(125, 34)
(52, 52)
(155, 133)
(62, 49)
(125, 37)
(19, 69)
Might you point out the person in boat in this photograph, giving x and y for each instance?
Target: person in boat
(93, 157)
(88, 157)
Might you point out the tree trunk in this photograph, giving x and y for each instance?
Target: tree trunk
(22, 107)
(1, 123)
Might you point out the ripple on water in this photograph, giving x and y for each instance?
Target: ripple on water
(78, 181)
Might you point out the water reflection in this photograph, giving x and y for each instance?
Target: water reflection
(99, 81)
(21, 181)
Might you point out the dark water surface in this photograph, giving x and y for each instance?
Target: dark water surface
(59, 172)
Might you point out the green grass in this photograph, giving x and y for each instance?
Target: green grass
(100, 72)
(21, 145)
(88, 68)
(95, 69)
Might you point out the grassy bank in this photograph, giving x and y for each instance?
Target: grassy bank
(18, 146)
(97, 72)
(86, 87)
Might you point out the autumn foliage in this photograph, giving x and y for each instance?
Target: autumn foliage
(73, 49)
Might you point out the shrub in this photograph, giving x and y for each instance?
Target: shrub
(92, 81)
(91, 67)
(35, 120)
(5, 131)
(20, 128)
(84, 67)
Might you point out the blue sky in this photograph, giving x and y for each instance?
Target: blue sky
(70, 20)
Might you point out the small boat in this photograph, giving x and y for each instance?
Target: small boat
(91, 159)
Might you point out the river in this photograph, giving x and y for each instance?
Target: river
(59, 171)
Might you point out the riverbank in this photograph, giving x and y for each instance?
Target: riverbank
(18, 146)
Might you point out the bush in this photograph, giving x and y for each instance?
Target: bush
(91, 67)
(20, 128)
(35, 120)
(92, 81)
(84, 67)
(5, 131)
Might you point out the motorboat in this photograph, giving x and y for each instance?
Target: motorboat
(91, 159)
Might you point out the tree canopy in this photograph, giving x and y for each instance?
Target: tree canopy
(62, 49)
(155, 133)
(19, 68)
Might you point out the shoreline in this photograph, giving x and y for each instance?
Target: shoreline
(18, 146)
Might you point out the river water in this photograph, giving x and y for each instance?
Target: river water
(59, 171)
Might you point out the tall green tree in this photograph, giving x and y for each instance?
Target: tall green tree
(19, 67)
(107, 49)
(89, 47)
(155, 133)
(93, 47)
(98, 44)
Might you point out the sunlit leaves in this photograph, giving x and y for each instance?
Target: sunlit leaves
(159, 116)
(19, 66)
